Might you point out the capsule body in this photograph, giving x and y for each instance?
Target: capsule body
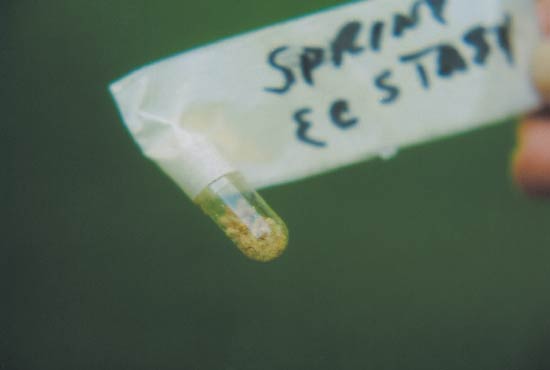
(245, 217)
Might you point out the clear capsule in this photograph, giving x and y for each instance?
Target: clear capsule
(245, 217)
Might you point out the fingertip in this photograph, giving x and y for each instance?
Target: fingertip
(531, 162)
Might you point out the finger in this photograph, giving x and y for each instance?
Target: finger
(531, 165)
(532, 158)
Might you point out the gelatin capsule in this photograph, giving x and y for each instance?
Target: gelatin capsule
(245, 217)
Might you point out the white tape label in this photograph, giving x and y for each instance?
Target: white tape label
(340, 86)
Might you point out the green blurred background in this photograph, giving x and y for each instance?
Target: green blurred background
(432, 260)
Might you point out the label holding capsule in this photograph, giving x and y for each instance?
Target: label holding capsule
(321, 92)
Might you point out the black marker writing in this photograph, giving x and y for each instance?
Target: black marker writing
(287, 72)
(504, 38)
(392, 91)
(338, 111)
(403, 22)
(376, 34)
(476, 38)
(303, 128)
(449, 61)
(310, 59)
(349, 40)
(452, 58)
(345, 42)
